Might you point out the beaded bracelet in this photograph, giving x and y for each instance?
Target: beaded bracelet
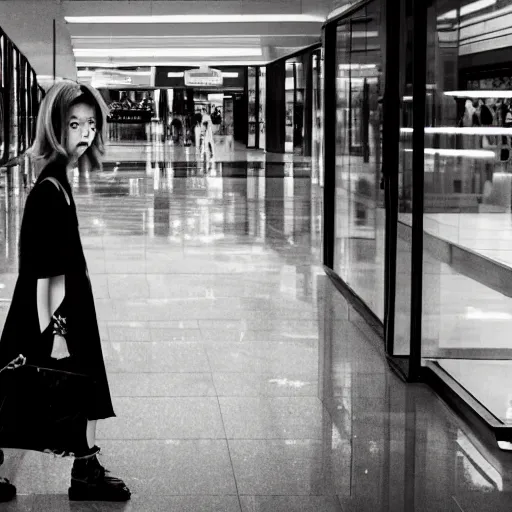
(59, 325)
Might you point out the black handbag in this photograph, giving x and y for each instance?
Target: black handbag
(42, 407)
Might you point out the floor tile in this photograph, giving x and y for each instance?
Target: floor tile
(272, 418)
(285, 467)
(262, 358)
(260, 384)
(124, 356)
(161, 384)
(290, 504)
(173, 467)
(163, 418)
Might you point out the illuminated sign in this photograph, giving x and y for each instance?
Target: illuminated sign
(203, 77)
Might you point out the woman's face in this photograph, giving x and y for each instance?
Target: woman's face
(81, 129)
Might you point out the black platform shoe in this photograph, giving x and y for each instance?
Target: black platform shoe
(7, 490)
(90, 482)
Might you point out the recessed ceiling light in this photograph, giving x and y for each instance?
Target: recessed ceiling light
(199, 18)
(115, 64)
(167, 52)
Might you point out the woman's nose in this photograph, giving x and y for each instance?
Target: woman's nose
(85, 131)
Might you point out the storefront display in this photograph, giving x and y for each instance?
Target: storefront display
(418, 189)
(251, 106)
(130, 113)
(294, 91)
(262, 94)
(256, 106)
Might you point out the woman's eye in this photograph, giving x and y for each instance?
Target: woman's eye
(74, 126)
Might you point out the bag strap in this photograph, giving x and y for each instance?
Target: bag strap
(59, 187)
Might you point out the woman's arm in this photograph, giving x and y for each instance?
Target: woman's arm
(50, 294)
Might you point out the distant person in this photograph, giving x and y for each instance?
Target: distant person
(52, 317)
(207, 129)
(198, 135)
(177, 129)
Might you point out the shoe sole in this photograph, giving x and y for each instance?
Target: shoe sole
(88, 494)
(7, 495)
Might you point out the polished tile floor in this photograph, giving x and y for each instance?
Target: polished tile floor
(242, 380)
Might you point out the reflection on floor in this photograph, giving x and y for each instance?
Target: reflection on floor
(242, 380)
(167, 151)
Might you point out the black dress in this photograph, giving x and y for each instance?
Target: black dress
(50, 245)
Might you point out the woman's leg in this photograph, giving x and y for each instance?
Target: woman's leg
(91, 433)
(89, 479)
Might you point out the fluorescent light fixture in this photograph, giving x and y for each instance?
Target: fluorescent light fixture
(455, 130)
(476, 6)
(363, 33)
(496, 93)
(450, 15)
(340, 10)
(167, 52)
(467, 9)
(494, 15)
(200, 18)
(181, 74)
(357, 66)
(119, 63)
(470, 153)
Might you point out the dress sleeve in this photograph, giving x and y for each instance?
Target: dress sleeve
(49, 232)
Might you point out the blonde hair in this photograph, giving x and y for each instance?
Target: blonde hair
(51, 133)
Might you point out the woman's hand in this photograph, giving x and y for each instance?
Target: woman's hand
(60, 347)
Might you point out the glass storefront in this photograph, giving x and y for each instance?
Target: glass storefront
(20, 96)
(256, 101)
(426, 243)
(317, 147)
(360, 217)
(294, 97)
(467, 300)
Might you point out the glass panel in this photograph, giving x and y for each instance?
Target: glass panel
(360, 215)
(251, 86)
(298, 110)
(290, 103)
(2, 98)
(22, 106)
(467, 291)
(402, 325)
(13, 143)
(262, 105)
(317, 149)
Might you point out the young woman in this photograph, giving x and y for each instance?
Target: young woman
(52, 313)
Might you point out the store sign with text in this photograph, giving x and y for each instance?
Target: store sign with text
(203, 77)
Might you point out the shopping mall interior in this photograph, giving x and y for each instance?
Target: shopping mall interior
(299, 241)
